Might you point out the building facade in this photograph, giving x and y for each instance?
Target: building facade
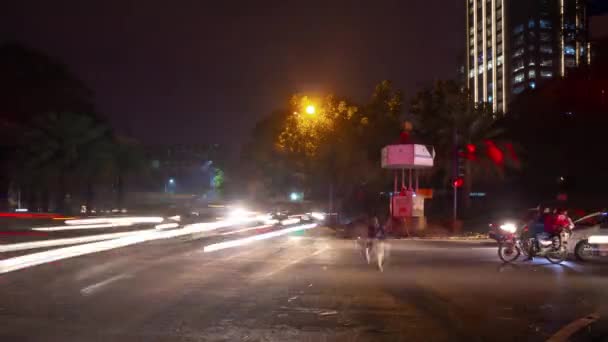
(514, 45)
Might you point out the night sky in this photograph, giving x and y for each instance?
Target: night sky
(205, 71)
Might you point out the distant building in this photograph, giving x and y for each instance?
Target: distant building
(514, 45)
(184, 168)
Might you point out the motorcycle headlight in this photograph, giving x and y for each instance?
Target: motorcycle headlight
(508, 227)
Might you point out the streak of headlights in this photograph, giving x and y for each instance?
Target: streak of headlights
(116, 220)
(598, 239)
(248, 240)
(67, 241)
(25, 261)
(76, 227)
(166, 226)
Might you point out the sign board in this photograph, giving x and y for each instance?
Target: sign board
(407, 156)
(407, 206)
(425, 193)
(417, 206)
(401, 206)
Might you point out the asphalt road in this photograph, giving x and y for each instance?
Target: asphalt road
(304, 288)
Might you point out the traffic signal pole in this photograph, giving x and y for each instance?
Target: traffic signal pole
(455, 174)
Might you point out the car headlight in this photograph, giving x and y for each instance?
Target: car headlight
(508, 227)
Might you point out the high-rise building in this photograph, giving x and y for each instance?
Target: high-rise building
(514, 45)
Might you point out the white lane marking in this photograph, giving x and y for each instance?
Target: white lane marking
(89, 290)
(291, 263)
(572, 328)
(250, 239)
(25, 261)
(67, 241)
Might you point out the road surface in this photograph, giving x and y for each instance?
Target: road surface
(313, 287)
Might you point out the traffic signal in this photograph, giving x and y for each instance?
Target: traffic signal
(458, 182)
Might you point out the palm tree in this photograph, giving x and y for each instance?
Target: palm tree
(60, 145)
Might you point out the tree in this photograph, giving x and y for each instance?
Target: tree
(57, 145)
(446, 117)
(33, 84)
(334, 144)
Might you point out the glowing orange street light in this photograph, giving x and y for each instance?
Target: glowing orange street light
(310, 109)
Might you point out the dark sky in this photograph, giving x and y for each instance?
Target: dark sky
(205, 71)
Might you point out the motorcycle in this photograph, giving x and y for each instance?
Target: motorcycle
(553, 248)
(511, 244)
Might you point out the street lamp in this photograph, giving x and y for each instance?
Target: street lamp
(310, 109)
(171, 181)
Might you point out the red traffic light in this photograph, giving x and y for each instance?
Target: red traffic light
(471, 149)
(458, 182)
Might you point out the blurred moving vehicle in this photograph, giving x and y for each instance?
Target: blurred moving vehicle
(590, 237)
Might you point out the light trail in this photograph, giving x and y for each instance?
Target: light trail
(598, 239)
(116, 220)
(246, 229)
(248, 240)
(34, 259)
(74, 227)
(67, 241)
(166, 226)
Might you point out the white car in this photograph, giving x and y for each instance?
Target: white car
(595, 225)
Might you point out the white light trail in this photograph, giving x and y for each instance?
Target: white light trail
(34, 259)
(246, 229)
(166, 226)
(318, 216)
(74, 227)
(289, 221)
(116, 220)
(250, 239)
(67, 241)
(598, 239)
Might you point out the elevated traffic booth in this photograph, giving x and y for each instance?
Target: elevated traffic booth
(406, 160)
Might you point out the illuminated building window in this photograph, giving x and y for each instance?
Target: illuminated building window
(533, 85)
(532, 74)
(569, 50)
(545, 24)
(531, 23)
(546, 74)
(546, 62)
(519, 78)
(546, 49)
(518, 52)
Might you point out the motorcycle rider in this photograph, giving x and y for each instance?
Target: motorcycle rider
(555, 223)
(537, 226)
(562, 221)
